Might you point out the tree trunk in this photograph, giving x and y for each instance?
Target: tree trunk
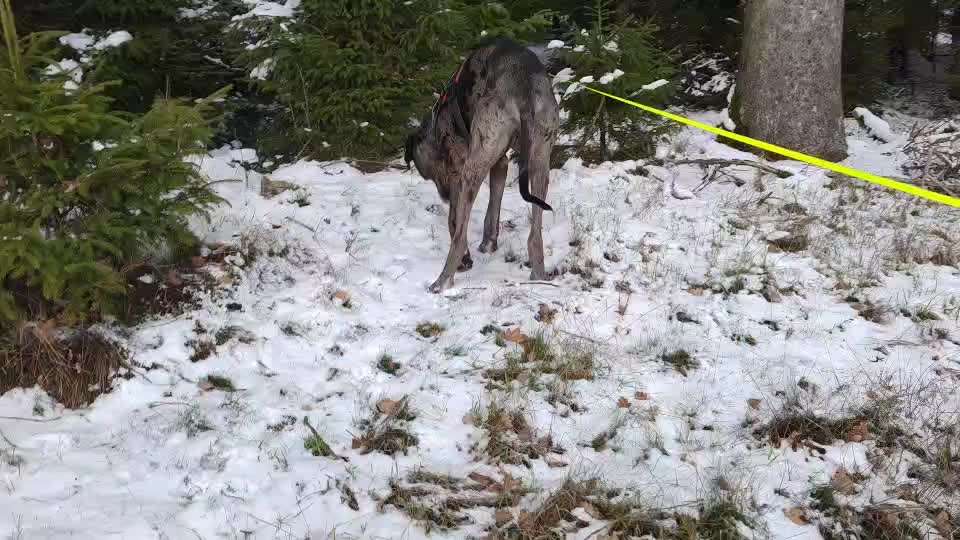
(954, 78)
(789, 87)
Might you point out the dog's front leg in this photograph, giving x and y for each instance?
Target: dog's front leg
(466, 263)
(462, 197)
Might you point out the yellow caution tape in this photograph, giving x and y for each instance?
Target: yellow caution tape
(798, 156)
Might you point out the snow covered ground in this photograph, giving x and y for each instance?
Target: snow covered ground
(683, 327)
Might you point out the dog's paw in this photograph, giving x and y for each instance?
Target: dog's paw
(466, 263)
(488, 246)
(441, 284)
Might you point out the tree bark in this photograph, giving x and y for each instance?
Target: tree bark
(954, 78)
(789, 87)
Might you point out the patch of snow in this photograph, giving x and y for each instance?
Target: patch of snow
(579, 48)
(654, 85)
(99, 146)
(944, 38)
(611, 46)
(115, 39)
(263, 70)
(264, 8)
(194, 13)
(555, 44)
(208, 463)
(78, 41)
(608, 78)
(564, 75)
(877, 127)
(68, 67)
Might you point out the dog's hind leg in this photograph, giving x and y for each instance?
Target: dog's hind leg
(539, 170)
(491, 223)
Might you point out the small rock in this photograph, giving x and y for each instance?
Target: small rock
(754, 403)
(234, 306)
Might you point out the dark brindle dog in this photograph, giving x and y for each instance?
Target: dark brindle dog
(500, 98)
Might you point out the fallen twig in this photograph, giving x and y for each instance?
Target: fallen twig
(780, 173)
(38, 420)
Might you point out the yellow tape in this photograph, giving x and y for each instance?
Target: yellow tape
(798, 156)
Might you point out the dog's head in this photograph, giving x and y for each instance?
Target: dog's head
(437, 151)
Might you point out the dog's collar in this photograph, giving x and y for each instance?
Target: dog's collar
(445, 94)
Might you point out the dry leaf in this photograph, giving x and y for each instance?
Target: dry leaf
(482, 479)
(642, 396)
(695, 291)
(754, 403)
(502, 517)
(510, 483)
(356, 443)
(944, 524)
(796, 515)
(342, 296)
(388, 407)
(545, 314)
(514, 335)
(591, 510)
(469, 419)
(841, 481)
(554, 463)
(623, 403)
(724, 484)
(859, 432)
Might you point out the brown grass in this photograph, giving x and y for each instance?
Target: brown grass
(74, 369)
(625, 517)
(386, 432)
(512, 440)
(438, 501)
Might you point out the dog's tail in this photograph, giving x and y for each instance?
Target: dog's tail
(526, 140)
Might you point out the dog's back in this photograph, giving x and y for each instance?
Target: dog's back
(514, 76)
